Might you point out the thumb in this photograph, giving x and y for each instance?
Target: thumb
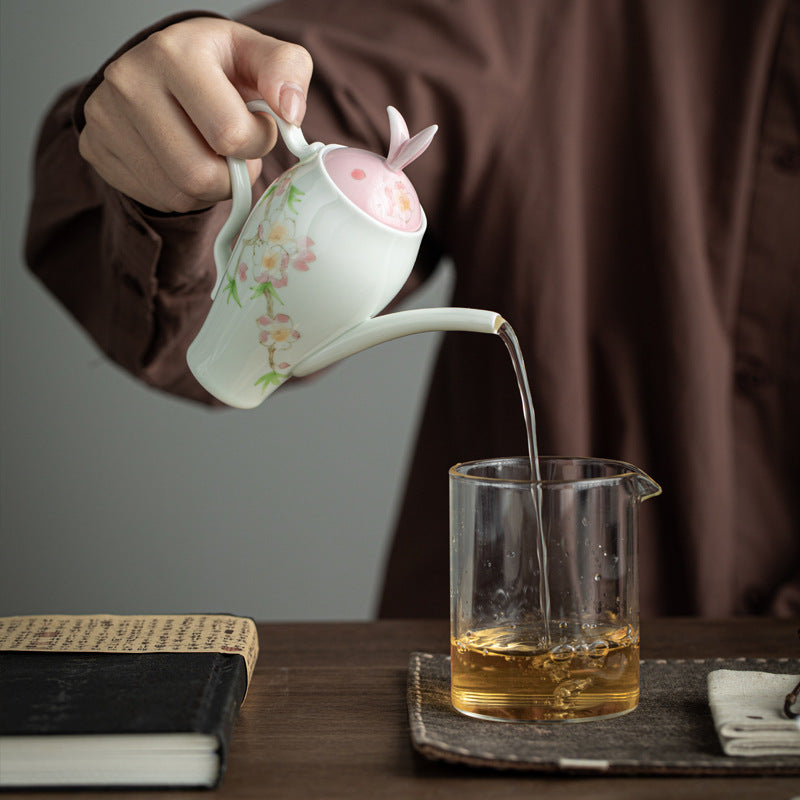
(280, 71)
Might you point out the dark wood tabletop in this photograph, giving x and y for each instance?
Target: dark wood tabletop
(325, 717)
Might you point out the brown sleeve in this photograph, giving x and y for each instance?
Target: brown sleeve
(139, 285)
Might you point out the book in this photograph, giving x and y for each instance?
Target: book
(143, 708)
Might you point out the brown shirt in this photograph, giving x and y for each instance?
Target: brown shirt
(620, 180)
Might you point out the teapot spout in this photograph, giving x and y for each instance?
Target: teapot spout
(392, 326)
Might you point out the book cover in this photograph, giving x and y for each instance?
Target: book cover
(121, 701)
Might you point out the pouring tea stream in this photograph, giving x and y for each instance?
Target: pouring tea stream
(302, 275)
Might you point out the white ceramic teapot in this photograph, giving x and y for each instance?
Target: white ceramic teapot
(327, 247)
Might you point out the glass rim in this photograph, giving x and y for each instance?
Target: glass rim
(625, 471)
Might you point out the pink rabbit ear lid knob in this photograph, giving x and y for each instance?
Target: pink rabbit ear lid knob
(378, 185)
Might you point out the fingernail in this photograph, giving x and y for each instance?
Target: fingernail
(292, 103)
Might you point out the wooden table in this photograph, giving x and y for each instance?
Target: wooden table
(325, 717)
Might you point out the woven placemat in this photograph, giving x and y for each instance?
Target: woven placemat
(670, 733)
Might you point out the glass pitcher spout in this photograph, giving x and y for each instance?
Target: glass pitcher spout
(645, 486)
(392, 326)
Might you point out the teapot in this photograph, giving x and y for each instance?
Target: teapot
(302, 275)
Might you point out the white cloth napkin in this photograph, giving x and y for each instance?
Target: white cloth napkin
(748, 712)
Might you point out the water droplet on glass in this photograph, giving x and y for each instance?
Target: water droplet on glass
(630, 634)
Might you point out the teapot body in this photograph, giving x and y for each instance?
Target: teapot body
(307, 266)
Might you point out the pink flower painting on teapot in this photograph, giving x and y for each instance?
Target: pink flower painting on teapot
(264, 268)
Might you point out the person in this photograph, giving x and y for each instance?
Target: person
(620, 180)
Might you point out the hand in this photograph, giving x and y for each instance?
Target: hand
(171, 107)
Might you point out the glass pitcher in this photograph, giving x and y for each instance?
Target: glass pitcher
(545, 627)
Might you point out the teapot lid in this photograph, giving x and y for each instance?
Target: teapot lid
(377, 184)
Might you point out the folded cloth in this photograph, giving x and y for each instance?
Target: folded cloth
(748, 712)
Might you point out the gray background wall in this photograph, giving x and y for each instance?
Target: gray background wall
(116, 498)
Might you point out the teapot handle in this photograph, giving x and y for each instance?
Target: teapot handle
(242, 193)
